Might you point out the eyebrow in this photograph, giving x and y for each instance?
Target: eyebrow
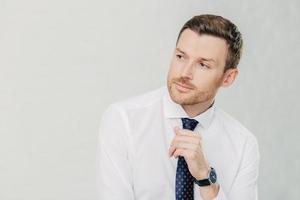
(205, 59)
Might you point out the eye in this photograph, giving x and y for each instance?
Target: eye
(203, 65)
(179, 56)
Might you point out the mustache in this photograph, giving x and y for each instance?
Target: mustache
(183, 81)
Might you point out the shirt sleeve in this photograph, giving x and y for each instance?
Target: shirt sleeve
(114, 180)
(245, 184)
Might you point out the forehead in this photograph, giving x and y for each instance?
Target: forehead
(206, 46)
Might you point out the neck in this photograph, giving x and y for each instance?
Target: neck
(197, 109)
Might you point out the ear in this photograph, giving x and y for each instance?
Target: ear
(229, 77)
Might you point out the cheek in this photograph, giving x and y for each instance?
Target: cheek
(206, 80)
(174, 70)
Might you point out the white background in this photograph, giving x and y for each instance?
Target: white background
(63, 62)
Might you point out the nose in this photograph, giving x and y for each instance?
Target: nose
(187, 71)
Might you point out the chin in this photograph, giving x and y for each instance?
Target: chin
(188, 98)
(178, 97)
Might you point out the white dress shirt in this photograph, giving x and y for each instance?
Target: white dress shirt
(134, 139)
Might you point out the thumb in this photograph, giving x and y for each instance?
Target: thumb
(176, 129)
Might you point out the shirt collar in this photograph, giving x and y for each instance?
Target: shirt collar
(174, 110)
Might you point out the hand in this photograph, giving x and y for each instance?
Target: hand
(188, 144)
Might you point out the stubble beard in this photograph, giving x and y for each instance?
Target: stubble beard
(192, 97)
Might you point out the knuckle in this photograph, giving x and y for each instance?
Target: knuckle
(175, 143)
(193, 155)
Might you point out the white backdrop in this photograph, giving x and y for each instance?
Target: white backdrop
(62, 62)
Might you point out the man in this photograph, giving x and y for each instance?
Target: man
(174, 142)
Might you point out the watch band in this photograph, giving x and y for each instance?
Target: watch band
(212, 178)
(203, 182)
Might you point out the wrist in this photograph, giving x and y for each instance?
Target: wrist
(211, 178)
(203, 174)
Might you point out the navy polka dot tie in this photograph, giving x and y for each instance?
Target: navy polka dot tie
(184, 179)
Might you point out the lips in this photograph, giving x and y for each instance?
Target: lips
(182, 88)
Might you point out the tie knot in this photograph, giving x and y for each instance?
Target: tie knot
(188, 123)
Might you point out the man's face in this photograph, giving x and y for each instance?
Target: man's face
(197, 68)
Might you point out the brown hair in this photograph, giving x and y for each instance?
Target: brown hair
(219, 27)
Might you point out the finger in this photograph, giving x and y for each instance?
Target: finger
(171, 150)
(186, 139)
(186, 132)
(194, 142)
(186, 153)
(185, 146)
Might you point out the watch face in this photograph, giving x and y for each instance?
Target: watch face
(213, 176)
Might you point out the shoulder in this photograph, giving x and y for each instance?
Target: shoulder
(139, 101)
(132, 107)
(234, 128)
